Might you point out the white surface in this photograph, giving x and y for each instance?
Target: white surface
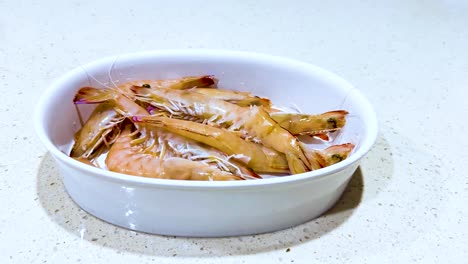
(208, 209)
(407, 205)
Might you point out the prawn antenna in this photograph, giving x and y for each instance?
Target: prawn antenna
(340, 106)
(92, 77)
(110, 71)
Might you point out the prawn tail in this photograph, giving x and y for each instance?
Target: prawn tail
(90, 95)
(335, 119)
(337, 153)
(329, 156)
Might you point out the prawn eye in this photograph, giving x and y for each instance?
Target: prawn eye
(145, 85)
(336, 157)
(332, 122)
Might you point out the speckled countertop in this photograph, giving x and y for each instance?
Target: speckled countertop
(406, 204)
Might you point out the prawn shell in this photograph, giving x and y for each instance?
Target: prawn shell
(177, 84)
(89, 137)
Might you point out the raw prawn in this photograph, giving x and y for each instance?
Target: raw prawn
(297, 124)
(101, 127)
(180, 146)
(256, 156)
(254, 121)
(128, 159)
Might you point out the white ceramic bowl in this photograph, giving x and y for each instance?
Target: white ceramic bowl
(196, 208)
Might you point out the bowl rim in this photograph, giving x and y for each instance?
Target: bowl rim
(365, 144)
